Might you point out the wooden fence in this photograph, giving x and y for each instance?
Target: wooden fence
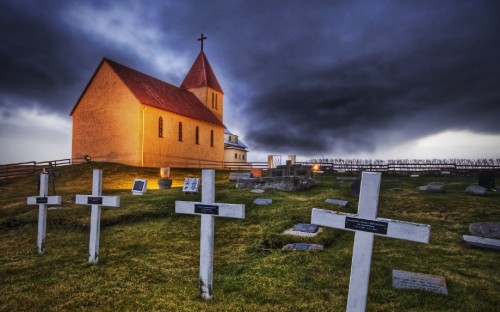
(25, 168)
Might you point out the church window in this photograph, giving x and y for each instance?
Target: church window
(197, 135)
(160, 127)
(180, 131)
(213, 101)
(235, 156)
(243, 156)
(216, 101)
(212, 138)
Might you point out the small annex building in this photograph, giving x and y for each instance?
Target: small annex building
(128, 117)
(235, 151)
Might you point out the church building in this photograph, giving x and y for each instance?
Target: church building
(128, 117)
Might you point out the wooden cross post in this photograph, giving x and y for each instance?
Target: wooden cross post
(208, 210)
(96, 200)
(42, 201)
(366, 225)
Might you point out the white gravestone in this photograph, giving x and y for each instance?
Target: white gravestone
(366, 225)
(207, 209)
(191, 185)
(42, 201)
(96, 200)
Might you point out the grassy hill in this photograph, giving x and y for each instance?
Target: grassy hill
(149, 256)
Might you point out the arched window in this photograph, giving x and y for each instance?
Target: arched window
(197, 135)
(213, 101)
(160, 127)
(212, 138)
(216, 101)
(180, 131)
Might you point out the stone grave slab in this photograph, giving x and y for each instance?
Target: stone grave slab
(475, 189)
(262, 201)
(339, 202)
(414, 175)
(427, 282)
(257, 191)
(481, 242)
(485, 229)
(235, 176)
(140, 187)
(302, 246)
(306, 227)
(433, 187)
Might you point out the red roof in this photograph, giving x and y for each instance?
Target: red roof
(154, 92)
(201, 75)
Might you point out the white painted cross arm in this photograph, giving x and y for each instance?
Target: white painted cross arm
(48, 200)
(414, 232)
(236, 211)
(109, 201)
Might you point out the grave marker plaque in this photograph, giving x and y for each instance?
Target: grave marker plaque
(427, 282)
(191, 185)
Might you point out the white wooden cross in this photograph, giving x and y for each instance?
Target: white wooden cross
(208, 210)
(96, 200)
(366, 225)
(42, 201)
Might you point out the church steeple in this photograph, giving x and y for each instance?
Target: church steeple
(202, 82)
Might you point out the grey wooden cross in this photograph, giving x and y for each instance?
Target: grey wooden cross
(207, 209)
(366, 225)
(96, 200)
(201, 39)
(42, 201)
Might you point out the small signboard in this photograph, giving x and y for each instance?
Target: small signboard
(366, 225)
(191, 185)
(140, 187)
(206, 209)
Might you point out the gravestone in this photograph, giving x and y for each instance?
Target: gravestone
(235, 176)
(302, 246)
(485, 229)
(487, 179)
(366, 225)
(339, 202)
(257, 191)
(427, 282)
(355, 188)
(433, 187)
(481, 242)
(208, 210)
(42, 201)
(191, 185)
(475, 189)
(305, 227)
(139, 187)
(414, 175)
(96, 200)
(262, 201)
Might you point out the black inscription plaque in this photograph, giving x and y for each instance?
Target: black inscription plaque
(94, 200)
(366, 225)
(138, 186)
(206, 209)
(42, 200)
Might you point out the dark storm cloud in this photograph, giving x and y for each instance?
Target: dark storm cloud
(308, 77)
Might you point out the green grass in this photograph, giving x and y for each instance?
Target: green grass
(149, 256)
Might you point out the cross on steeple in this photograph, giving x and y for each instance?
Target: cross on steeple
(201, 39)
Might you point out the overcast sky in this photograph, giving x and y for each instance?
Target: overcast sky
(377, 79)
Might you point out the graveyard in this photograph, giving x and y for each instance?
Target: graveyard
(149, 254)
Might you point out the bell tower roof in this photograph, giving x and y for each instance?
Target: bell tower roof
(201, 75)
